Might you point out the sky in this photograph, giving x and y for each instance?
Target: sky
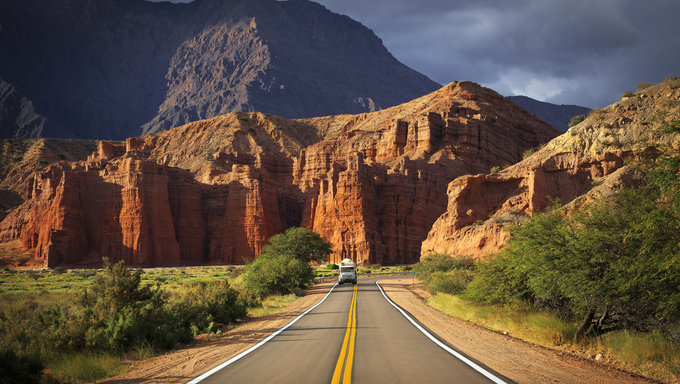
(582, 52)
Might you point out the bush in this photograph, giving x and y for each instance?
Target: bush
(300, 243)
(452, 282)
(20, 369)
(443, 273)
(208, 303)
(643, 85)
(275, 274)
(332, 267)
(627, 94)
(576, 120)
(441, 262)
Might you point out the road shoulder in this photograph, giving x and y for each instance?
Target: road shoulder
(517, 360)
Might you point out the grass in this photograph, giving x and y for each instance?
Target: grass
(272, 304)
(650, 354)
(45, 287)
(83, 367)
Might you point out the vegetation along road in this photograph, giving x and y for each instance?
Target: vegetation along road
(354, 335)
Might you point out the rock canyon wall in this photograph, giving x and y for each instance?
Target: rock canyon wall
(214, 191)
(587, 160)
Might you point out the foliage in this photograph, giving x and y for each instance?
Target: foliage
(597, 113)
(300, 243)
(627, 94)
(443, 273)
(650, 353)
(332, 267)
(116, 313)
(120, 312)
(15, 369)
(441, 262)
(576, 120)
(614, 264)
(643, 85)
(207, 303)
(278, 274)
(452, 282)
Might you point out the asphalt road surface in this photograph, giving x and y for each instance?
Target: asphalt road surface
(355, 335)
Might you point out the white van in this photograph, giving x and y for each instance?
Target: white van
(348, 272)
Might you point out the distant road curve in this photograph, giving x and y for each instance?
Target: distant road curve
(355, 334)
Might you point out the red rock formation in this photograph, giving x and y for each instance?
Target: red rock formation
(214, 191)
(584, 161)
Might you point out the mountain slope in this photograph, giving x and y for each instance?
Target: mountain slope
(119, 68)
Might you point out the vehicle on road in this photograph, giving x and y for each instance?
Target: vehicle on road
(348, 272)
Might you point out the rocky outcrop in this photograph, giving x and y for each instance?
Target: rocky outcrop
(587, 160)
(214, 191)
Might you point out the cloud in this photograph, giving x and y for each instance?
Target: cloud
(584, 52)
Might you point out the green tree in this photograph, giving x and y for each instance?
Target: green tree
(277, 274)
(300, 243)
(284, 265)
(614, 263)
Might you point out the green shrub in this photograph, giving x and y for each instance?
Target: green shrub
(300, 243)
(451, 282)
(15, 369)
(278, 274)
(443, 273)
(627, 94)
(332, 267)
(208, 303)
(441, 262)
(576, 120)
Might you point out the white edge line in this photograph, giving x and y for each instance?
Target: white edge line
(256, 346)
(464, 359)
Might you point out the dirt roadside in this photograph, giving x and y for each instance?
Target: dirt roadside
(516, 360)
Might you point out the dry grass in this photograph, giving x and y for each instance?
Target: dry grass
(650, 354)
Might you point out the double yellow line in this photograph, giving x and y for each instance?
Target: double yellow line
(348, 344)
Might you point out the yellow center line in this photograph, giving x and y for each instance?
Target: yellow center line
(348, 344)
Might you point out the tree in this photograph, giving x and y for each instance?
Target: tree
(300, 243)
(276, 274)
(614, 263)
(284, 265)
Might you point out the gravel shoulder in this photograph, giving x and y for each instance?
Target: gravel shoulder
(516, 360)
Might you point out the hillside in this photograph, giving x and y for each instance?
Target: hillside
(213, 191)
(587, 159)
(112, 69)
(558, 116)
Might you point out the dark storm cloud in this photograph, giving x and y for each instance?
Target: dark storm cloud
(584, 52)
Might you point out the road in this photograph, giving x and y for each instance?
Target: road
(354, 335)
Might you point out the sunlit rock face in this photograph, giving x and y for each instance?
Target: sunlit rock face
(214, 191)
(586, 161)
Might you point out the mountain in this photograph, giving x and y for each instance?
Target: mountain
(589, 159)
(558, 116)
(213, 191)
(111, 69)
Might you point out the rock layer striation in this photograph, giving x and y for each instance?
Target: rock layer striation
(214, 191)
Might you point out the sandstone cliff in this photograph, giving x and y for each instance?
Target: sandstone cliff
(214, 191)
(588, 159)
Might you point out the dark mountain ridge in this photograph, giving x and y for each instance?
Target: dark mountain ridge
(119, 68)
(557, 115)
